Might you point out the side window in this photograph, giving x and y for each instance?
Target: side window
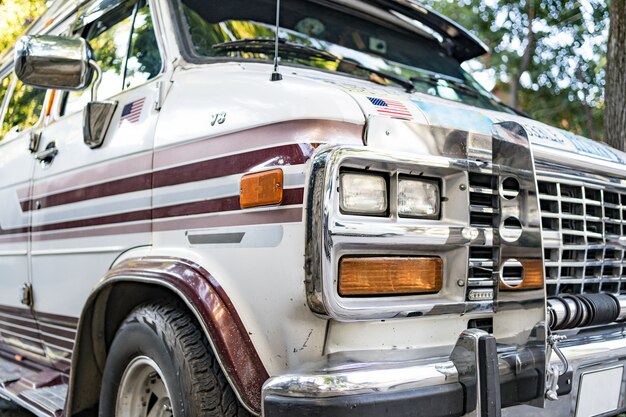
(109, 41)
(122, 67)
(24, 108)
(144, 60)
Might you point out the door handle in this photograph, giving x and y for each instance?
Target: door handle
(47, 155)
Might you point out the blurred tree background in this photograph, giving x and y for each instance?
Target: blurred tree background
(15, 17)
(548, 57)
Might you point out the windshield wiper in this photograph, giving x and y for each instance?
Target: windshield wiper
(267, 44)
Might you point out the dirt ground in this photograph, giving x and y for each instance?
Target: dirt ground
(8, 409)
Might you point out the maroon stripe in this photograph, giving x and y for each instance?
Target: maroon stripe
(198, 207)
(121, 186)
(14, 231)
(49, 340)
(19, 332)
(118, 168)
(67, 334)
(311, 131)
(133, 216)
(18, 321)
(213, 168)
(64, 321)
(15, 239)
(233, 164)
(292, 196)
(17, 311)
(100, 231)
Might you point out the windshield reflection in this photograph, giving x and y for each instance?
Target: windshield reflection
(364, 46)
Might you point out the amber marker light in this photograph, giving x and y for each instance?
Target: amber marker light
(50, 102)
(387, 276)
(532, 276)
(261, 189)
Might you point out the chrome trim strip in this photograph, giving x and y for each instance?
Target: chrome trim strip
(353, 373)
(332, 234)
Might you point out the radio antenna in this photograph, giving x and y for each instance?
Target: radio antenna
(276, 76)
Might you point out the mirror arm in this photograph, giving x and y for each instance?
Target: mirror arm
(98, 80)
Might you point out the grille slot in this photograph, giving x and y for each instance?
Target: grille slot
(582, 223)
(484, 203)
(483, 199)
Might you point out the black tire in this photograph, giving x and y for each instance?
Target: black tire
(167, 335)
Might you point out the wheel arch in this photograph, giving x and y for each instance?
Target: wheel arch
(140, 280)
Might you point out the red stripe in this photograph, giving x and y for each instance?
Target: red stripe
(204, 170)
(291, 197)
(295, 131)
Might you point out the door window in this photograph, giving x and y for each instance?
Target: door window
(24, 108)
(126, 49)
(144, 61)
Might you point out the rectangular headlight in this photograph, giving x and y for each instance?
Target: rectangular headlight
(418, 198)
(363, 194)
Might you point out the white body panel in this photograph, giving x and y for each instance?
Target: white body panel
(168, 186)
(14, 243)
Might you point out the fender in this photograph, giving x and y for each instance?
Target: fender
(203, 295)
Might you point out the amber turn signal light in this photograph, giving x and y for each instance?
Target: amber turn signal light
(532, 276)
(261, 189)
(359, 277)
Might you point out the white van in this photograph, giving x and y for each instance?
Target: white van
(208, 208)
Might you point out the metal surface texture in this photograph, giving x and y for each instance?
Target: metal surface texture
(54, 62)
(478, 371)
(506, 158)
(333, 234)
(354, 373)
(97, 118)
(583, 217)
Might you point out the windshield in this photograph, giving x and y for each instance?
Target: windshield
(367, 43)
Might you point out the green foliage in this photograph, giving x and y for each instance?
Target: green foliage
(24, 108)
(547, 56)
(15, 17)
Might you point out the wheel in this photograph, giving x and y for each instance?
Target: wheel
(160, 364)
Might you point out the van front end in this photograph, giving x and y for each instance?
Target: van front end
(432, 269)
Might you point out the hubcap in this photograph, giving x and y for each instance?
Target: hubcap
(143, 391)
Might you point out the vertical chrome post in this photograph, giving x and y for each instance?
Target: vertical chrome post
(476, 359)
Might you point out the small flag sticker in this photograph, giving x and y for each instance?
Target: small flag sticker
(391, 108)
(132, 111)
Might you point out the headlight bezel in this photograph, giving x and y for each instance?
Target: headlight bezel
(392, 189)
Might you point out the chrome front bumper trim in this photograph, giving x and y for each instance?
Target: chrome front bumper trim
(390, 372)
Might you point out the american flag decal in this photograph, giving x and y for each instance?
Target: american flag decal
(391, 108)
(132, 111)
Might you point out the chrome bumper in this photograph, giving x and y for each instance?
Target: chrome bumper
(474, 380)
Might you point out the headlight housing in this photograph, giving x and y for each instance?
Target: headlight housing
(363, 194)
(418, 198)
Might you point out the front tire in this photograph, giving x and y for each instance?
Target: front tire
(160, 364)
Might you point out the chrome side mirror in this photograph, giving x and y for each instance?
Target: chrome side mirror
(54, 62)
(63, 63)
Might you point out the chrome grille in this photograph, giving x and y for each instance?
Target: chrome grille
(483, 192)
(582, 223)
